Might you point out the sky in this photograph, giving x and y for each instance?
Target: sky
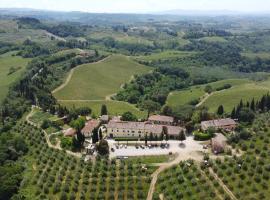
(139, 6)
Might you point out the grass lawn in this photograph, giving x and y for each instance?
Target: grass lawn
(114, 107)
(7, 61)
(96, 81)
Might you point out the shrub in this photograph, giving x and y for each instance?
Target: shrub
(202, 136)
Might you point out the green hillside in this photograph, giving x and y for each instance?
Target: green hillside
(231, 97)
(114, 107)
(11, 67)
(184, 97)
(96, 81)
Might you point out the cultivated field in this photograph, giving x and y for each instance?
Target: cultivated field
(96, 81)
(114, 107)
(184, 97)
(7, 75)
(166, 55)
(231, 97)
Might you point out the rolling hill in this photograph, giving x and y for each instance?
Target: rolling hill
(11, 67)
(92, 85)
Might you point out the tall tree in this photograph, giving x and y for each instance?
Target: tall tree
(220, 110)
(182, 136)
(150, 106)
(104, 110)
(103, 148)
(100, 134)
(95, 136)
(145, 139)
(233, 113)
(252, 105)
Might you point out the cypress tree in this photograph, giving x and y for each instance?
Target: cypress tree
(252, 105)
(233, 113)
(220, 110)
(104, 110)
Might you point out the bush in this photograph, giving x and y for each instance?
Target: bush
(202, 136)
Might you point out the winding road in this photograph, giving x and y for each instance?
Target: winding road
(47, 137)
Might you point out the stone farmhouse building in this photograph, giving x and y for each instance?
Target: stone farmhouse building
(161, 119)
(89, 127)
(218, 143)
(121, 129)
(225, 124)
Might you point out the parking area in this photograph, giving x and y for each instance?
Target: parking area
(188, 146)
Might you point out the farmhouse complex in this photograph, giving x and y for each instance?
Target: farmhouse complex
(141, 129)
(225, 124)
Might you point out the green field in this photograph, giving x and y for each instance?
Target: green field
(114, 107)
(7, 61)
(166, 55)
(262, 55)
(183, 97)
(231, 97)
(214, 39)
(96, 81)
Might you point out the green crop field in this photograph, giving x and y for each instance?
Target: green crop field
(183, 97)
(114, 107)
(96, 81)
(7, 61)
(231, 97)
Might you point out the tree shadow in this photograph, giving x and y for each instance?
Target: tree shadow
(182, 145)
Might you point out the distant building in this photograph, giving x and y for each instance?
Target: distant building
(161, 119)
(218, 143)
(70, 132)
(116, 129)
(89, 127)
(225, 124)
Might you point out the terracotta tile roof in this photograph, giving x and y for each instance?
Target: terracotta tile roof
(218, 123)
(126, 125)
(146, 126)
(161, 118)
(69, 132)
(90, 125)
(219, 138)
